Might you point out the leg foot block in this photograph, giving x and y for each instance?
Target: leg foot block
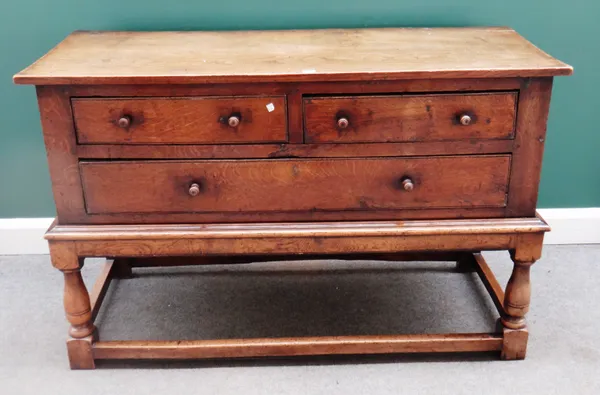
(515, 343)
(80, 353)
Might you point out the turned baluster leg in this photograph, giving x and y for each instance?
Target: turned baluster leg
(77, 305)
(518, 296)
(78, 310)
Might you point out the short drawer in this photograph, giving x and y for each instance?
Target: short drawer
(402, 118)
(286, 185)
(189, 120)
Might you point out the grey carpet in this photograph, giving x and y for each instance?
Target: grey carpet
(308, 298)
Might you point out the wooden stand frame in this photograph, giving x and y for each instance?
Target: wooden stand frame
(153, 245)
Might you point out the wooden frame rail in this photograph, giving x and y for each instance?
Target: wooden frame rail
(134, 246)
(261, 347)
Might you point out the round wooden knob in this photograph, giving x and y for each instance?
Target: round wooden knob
(465, 120)
(233, 121)
(194, 189)
(343, 123)
(124, 122)
(408, 185)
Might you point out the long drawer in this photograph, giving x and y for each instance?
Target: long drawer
(400, 118)
(295, 185)
(180, 120)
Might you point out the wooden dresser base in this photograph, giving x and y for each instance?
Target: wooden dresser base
(154, 245)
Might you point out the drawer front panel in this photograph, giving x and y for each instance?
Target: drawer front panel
(438, 117)
(194, 120)
(299, 185)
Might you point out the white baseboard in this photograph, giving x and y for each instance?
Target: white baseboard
(24, 236)
(572, 225)
(20, 236)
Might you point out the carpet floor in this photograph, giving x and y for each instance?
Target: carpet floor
(303, 299)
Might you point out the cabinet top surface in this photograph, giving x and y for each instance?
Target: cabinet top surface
(111, 57)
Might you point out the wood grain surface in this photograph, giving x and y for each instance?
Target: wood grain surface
(293, 55)
(271, 151)
(192, 120)
(327, 345)
(409, 118)
(534, 106)
(295, 185)
(60, 141)
(469, 227)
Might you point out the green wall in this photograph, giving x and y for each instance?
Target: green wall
(568, 30)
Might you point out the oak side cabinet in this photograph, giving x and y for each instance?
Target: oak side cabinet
(169, 148)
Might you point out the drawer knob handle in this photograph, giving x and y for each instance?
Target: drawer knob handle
(408, 185)
(343, 123)
(194, 189)
(124, 122)
(465, 120)
(233, 121)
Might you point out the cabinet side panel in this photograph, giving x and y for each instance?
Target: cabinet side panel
(532, 117)
(59, 137)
